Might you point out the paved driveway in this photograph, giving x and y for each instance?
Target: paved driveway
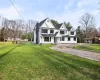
(67, 48)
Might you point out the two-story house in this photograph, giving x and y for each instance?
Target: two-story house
(46, 32)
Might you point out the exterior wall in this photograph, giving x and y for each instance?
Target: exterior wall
(42, 40)
(34, 36)
(66, 40)
(39, 37)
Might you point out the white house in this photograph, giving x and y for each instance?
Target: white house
(46, 32)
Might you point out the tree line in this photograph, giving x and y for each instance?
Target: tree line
(16, 29)
(24, 30)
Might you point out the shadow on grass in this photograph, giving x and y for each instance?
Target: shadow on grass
(4, 54)
(66, 62)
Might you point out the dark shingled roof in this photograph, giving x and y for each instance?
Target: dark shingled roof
(69, 28)
(42, 22)
(56, 33)
(57, 26)
(51, 35)
(38, 24)
(69, 36)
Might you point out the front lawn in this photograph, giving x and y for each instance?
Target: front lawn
(37, 62)
(89, 47)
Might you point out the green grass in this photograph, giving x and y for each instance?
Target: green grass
(35, 62)
(89, 47)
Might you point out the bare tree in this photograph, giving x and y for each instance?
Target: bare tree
(92, 32)
(86, 21)
(30, 26)
(5, 24)
(15, 27)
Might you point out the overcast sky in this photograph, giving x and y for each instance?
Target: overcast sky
(60, 10)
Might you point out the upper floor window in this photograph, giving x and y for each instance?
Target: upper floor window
(44, 31)
(72, 33)
(51, 31)
(61, 32)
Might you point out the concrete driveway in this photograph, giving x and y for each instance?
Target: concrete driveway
(67, 48)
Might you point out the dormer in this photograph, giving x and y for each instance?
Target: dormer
(72, 32)
(63, 27)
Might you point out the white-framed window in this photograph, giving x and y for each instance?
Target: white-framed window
(51, 31)
(47, 39)
(62, 32)
(72, 33)
(44, 31)
(60, 38)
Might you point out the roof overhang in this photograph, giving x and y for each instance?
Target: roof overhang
(48, 35)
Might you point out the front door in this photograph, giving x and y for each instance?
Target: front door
(55, 39)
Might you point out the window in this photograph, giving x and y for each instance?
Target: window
(74, 39)
(50, 38)
(44, 31)
(62, 38)
(61, 32)
(51, 31)
(72, 33)
(46, 39)
(68, 38)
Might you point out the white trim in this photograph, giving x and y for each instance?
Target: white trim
(58, 35)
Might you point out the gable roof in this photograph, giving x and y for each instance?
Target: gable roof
(57, 26)
(42, 21)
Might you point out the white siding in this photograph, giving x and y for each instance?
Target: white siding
(34, 36)
(66, 40)
(63, 27)
(47, 24)
(44, 26)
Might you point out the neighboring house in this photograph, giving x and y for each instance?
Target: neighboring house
(46, 32)
(12, 39)
(93, 40)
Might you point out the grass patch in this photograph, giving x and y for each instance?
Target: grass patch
(89, 47)
(35, 62)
